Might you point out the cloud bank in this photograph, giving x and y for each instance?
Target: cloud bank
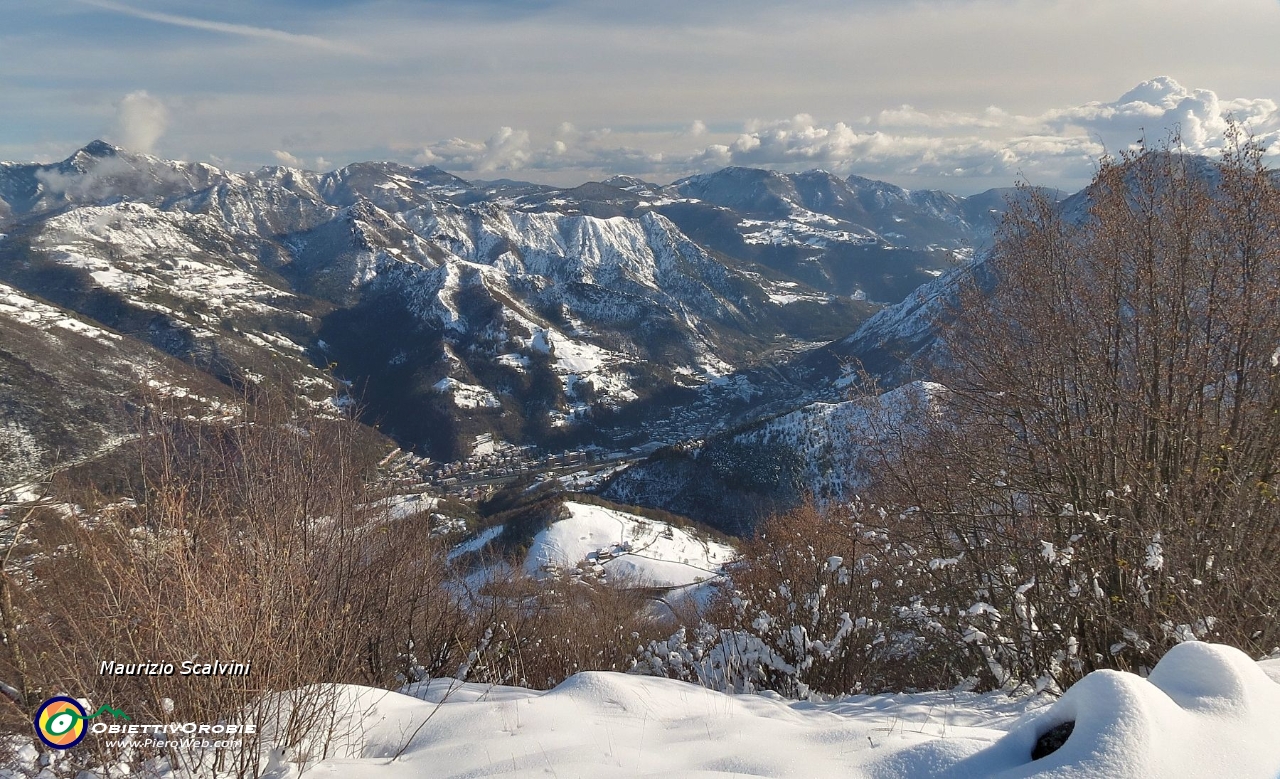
(992, 146)
(660, 90)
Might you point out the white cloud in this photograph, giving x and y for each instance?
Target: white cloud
(506, 150)
(1061, 144)
(1156, 107)
(287, 159)
(795, 144)
(141, 120)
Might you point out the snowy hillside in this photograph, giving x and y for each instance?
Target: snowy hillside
(871, 211)
(69, 384)
(902, 340)
(615, 544)
(827, 437)
(584, 542)
(815, 450)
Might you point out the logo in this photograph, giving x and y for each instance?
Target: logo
(60, 721)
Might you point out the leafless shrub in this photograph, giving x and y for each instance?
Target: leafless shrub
(249, 542)
(538, 633)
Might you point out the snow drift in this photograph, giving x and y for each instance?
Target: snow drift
(1206, 710)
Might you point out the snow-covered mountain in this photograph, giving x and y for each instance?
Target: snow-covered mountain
(774, 462)
(874, 211)
(729, 481)
(451, 309)
(854, 236)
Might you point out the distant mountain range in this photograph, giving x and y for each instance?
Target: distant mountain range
(611, 312)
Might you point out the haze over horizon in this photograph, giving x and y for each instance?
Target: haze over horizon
(960, 95)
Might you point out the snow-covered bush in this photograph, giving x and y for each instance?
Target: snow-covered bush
(1101, 471)
(823, 600)
(857, 598)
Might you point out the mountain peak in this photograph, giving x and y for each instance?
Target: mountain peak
(100, 148)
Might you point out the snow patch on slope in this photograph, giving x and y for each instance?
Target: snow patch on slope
(581, 362)
(23, 309)
(466, 395)
(131, 248)
(625, 545)
(799, 231)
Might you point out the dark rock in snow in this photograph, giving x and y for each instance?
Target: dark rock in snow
(1052, 740)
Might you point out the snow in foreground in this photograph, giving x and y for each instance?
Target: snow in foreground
(1205, 711)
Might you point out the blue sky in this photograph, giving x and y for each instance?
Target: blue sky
(959, 94)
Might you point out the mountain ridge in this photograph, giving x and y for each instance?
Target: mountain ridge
(454, 309)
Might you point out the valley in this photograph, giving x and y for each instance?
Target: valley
(589, 325)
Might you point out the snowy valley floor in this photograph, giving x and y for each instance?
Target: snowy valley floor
(1205, 711)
